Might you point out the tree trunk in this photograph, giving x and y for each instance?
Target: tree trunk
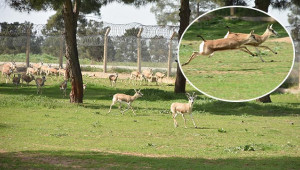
(263, 5)
(28, 45)
(70, 15)
(61, 46)
(184, 15)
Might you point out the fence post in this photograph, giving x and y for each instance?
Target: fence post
(28, 45)
(105, 50)
(170, 55)
(61, 50)
(139, 50)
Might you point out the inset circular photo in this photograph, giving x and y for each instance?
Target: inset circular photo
(236, 54)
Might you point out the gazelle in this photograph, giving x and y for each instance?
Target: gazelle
(135, 75)
(113, 79)
(61, 71)
(37, 66)
(208, 47)
(160, 76)
(260, 38)
(32, 71)
(27, 78)
(63, 87)
(184, 109)
(40, 82)
(8, 69)
(123, 98)
(16, 80)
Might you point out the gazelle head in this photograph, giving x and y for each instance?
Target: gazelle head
(271, 30)
(138, 93)
(191, 98)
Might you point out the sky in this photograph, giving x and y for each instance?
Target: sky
(113, 13)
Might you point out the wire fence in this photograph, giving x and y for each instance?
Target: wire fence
(128, 46)
(133, 46)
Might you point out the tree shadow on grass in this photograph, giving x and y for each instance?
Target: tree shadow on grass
(103, 160)
(92, 92)
(249, 108)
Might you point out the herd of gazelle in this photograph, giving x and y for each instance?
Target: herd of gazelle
(230, 42)
(234, 41)
(146, 75)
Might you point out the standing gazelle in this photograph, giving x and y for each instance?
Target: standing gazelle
(63, 87)
(184, 109)
(260, 38)
(113, 79)
(40, 82)
(208, 47)
(123, 98)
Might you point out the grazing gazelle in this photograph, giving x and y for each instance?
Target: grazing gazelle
(27, 78)
(183, 109)
(208, 47)
(123, 98)
(260, 38)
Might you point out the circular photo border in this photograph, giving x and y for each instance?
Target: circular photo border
(226, 100)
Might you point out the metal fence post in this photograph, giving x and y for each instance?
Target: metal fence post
(61, 50)
(28, 45)
(105, 50)
(170, 55)
(139, 50)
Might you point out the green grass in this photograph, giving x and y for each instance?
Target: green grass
(235, 75)
(216, 28)
(46, 131)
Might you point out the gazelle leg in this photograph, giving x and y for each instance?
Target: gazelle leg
(184, 120)
(132, 109)
(210, 55)
(113, 102)
(263, 46)
(195, 54)
(193, 120)
(245, 49)
(174, 116)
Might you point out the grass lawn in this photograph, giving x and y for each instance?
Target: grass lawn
(46, 131)
(235, 75)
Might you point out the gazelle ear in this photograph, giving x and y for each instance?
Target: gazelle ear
(188, 95)
(134, 90)
(251, 32)
(271, 26)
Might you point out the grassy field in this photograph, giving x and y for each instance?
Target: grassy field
(235, 75)
(46, 131)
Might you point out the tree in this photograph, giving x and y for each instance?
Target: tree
(166, 11)
(70, 12)
(184, 22)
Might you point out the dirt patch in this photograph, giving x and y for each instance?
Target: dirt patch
(284, 39)
(51, 160)
(133, 154)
